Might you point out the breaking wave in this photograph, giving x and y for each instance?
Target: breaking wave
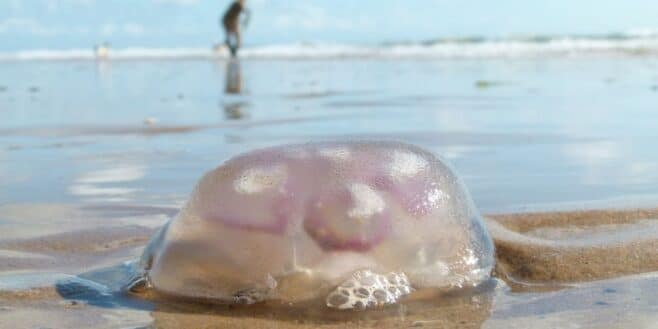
(634, 43)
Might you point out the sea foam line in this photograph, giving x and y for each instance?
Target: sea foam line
(439, 49)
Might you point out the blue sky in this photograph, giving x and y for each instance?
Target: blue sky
(35, 24)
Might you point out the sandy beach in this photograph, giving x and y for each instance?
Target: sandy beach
(564, 171)
(579, 275)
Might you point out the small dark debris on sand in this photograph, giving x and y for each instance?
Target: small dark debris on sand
(485, 84)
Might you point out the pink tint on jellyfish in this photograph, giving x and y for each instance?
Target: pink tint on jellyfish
(355, 218)
(258, 200)
(318, 220)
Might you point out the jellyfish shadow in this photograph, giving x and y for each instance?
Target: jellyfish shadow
(102, 288)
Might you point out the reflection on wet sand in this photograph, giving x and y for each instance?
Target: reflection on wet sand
(101, 184)
(234, 109)
(233, 77)
(103, 72)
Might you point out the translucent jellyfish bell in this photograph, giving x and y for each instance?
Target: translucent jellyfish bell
(359, 224)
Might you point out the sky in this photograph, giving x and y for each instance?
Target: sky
(63, 24)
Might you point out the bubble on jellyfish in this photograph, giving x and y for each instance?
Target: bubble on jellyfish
(356, 224)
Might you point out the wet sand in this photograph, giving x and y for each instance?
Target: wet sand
(578, 266)
(574, 247)
(87, 176)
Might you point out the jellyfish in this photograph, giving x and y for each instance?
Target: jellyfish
(356, 225)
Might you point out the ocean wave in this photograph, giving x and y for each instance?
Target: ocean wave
(632, 43)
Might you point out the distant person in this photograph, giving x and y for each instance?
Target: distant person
(102, 51)
(231, 23)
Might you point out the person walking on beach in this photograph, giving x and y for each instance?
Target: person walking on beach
(231, 23)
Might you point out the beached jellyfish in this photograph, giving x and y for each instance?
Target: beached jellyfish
(358, 224)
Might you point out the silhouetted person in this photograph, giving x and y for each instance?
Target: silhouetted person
(231, 23)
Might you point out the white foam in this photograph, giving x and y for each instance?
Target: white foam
(366, 289)
(641, 42)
